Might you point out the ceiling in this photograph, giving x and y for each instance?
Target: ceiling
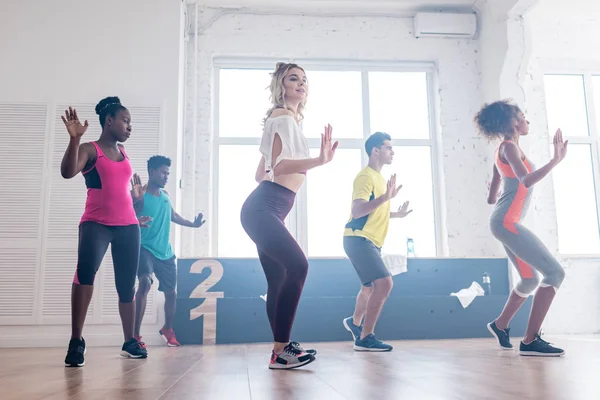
(389, 7)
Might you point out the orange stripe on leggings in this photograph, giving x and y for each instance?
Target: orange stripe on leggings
(524, 269)
(514, 211)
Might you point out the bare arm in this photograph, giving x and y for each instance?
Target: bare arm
(75, 159)
(402, 212)
(77, 155)
(287, 167)
(494, 186)
(361, 207)
(179, 220)
(137, 193)
(513, 157)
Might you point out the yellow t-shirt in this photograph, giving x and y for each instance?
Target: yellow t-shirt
(368, 185)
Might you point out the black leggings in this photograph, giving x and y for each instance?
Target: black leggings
(125, 248)
(282, 259)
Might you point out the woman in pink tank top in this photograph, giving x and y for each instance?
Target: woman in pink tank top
(109, 218)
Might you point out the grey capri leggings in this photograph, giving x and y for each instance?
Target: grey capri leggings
(530, 256)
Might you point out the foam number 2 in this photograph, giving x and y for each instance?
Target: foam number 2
(208, 308)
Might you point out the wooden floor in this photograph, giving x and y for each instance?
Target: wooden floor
(452, 369)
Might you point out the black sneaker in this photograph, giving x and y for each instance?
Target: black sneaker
(299, 347)
(290, 358)
(76, 353)
(133, 349)
(503, 336)
(540, 348)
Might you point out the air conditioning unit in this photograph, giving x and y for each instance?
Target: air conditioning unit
(445, 25)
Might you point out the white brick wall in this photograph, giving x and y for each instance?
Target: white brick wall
(564, 37)
(465, 157)
(558, 38)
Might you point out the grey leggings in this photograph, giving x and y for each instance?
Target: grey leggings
(529, 255)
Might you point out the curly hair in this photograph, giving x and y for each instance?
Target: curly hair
(278, 90)
(108, 106)
(496, 120)
(156, 162)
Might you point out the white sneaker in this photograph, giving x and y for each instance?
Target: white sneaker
(290, 357)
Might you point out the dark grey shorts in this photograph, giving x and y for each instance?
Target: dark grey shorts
(165, 270)
(366, 259)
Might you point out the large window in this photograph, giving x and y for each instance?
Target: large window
(570, 107)
(356, 102)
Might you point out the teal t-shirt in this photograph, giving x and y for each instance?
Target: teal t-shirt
(155, 238)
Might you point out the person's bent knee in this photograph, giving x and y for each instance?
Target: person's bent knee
(367, 290)
(526, 286)
(555, 279)
(383, 285)
(145, 282)
(299, 269)
(82, 277)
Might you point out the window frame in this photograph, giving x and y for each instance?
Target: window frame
(297, 224)
(593, 139)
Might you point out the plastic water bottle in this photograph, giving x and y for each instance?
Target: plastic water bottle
(487, 284)
(410, 247)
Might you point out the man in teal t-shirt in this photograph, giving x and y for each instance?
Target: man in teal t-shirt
(156, 254)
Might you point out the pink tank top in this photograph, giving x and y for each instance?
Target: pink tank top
(109, 199)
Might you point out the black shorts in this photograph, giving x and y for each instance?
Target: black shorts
(165, 270)
(366, 259)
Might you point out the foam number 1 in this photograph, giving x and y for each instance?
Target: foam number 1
(208, 308)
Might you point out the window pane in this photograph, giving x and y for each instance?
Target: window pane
(329, 194)
(412, 166)
(243, 102)
(398, 104)
(334, 97)
(565, 104)
(235, 184)
(575, 196)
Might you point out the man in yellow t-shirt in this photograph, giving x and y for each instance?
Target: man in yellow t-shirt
(364, 236)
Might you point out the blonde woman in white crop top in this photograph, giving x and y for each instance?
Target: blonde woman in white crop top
(284, 148)
(281, 171)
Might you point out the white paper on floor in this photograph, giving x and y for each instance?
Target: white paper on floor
(466, 296)
(395, 263)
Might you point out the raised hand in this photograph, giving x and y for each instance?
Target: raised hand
(327, 149)
(198, 221)
(143, 221)
(403, 211)
(74, 127)
(560, 146)
(137, 190)
(392, 190)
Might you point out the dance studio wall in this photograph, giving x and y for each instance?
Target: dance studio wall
(465, 157)
(75, 52)
(564, 38)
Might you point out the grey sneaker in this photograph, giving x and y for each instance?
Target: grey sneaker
(353, 329)
(290, 358)
(371, 343)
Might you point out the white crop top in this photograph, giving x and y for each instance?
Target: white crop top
(294, 145)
